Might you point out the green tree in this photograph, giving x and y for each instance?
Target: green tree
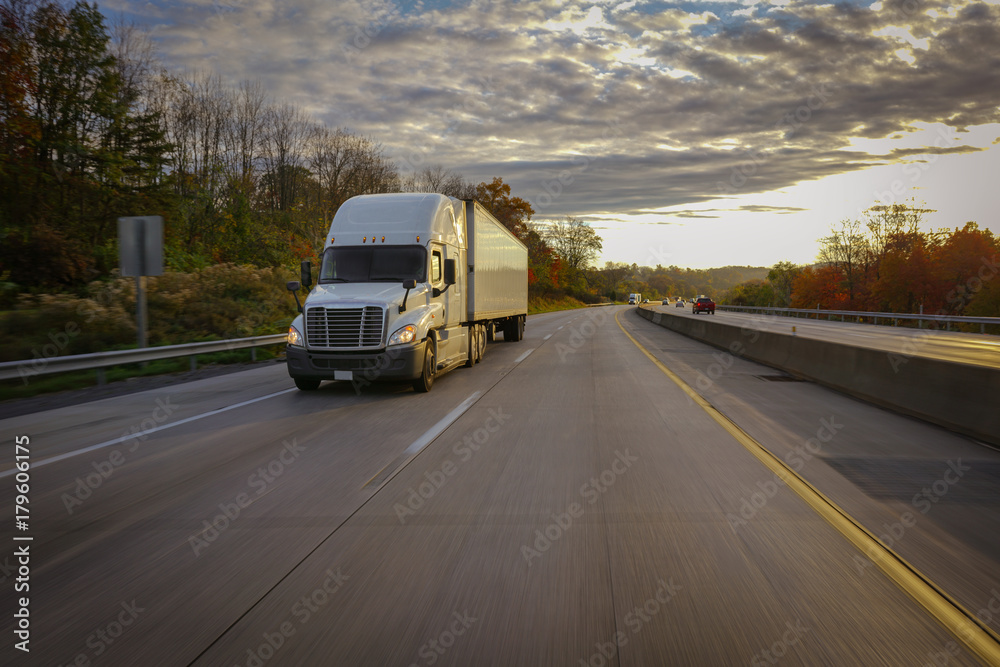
(782, 276)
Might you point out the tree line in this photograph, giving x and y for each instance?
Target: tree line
(94, 128)
(883, 262)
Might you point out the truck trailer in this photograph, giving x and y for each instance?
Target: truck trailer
(410, 286)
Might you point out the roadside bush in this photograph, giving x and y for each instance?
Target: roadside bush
(221, 301)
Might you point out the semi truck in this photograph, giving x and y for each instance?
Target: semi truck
(410, 286)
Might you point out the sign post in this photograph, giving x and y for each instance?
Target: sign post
(140, 253)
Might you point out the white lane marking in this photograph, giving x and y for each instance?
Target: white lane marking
(125, 438)
(382, 477)
(524, 356)
(547, 337)
(439, 428)
(560, 328)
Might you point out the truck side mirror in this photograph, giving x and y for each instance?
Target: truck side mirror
(450, 269)
(408, 284)
(306, 271)
(294, 287)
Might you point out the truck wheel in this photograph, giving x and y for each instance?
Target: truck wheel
(306, 385)
(519, 327)
(424, 383)
(481, 339)
(473, 346)
(508, 333)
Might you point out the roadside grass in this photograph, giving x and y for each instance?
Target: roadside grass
(538, 305)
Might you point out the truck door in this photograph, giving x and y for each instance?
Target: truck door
(451, 341)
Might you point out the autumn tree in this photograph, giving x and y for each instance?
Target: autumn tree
(965, 260)
(512, 212)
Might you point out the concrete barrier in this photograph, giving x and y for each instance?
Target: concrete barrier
(961, 397)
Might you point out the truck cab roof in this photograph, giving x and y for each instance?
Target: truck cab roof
(401, 219)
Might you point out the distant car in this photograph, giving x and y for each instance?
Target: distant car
(645, 300)
(666, 302)
(703, 305)
(679, 303)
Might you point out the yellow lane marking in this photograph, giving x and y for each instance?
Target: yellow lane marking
(978, 637)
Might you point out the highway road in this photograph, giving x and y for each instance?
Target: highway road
(966, 348)
(565, 502)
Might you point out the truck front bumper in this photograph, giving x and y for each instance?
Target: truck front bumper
(399, 362)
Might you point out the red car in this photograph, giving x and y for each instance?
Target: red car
(703, 305)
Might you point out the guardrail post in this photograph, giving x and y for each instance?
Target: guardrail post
(253, 353)
(102, 379)
(194, 362)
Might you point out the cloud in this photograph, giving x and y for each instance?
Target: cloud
(641, 108)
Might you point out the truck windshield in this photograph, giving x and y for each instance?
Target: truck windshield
(360, 264)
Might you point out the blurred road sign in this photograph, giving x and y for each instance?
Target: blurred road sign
(140, 245)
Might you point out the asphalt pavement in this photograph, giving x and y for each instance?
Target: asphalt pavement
(564, 502)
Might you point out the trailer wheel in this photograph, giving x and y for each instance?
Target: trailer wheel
(424, 383)
(509, 331)
(520, 328)
(306, 385)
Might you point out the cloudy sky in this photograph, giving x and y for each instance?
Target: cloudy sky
(691, 133)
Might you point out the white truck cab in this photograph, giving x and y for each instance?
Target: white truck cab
(410, 286)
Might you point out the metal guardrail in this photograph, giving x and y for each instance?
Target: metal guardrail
(100, 360)
(858, 315)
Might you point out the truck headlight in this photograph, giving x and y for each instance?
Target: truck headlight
(295, 338)
(404, 335)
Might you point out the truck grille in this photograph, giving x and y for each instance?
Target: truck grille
(344, 328)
